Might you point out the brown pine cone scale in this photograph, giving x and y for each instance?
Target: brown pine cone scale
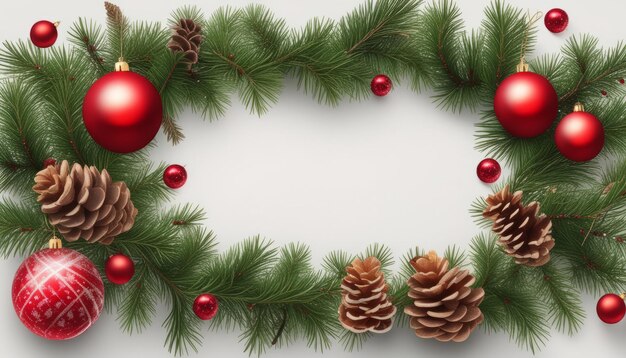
(84, 202)
(365, 305)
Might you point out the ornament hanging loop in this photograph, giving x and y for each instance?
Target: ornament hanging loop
(530, 22)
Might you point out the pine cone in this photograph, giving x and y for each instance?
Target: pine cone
(524, 234)
(364, 302)
(186, 38)
(82, 202)
(445, 307)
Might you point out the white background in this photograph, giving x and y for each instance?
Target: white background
(395, 170)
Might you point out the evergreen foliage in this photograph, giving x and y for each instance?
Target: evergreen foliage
(274, 295)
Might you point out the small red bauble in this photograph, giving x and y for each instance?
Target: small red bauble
(119, 269)
(122, 111)
(621, 81)
(44, 33)
(580, 135)
(526, 104)
(603, 92)
(556, 20)
(175, 176)
(488, 170)
(381, 85)
(611, 308)
(205, 306)
(48, 162)
(57, 293)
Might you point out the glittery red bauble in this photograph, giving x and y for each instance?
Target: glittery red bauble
(43, 33)
(119, 269)
(526, 104)
(48, 162)
(205, 306)
(175, 176)
(611, 308)
(579, 136)
(488, 170)
(57, 293)
(556, 20)
(122, 111)
(381, 85)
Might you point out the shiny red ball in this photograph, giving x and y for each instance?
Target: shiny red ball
(526, 104)
(381, 85)
(611, 308)
(57, 293)
(556, 20)
(122, 111)
(175, 176)
(488, 170)
(621, 81)
(44, 33)
(119, 269)
(579, 136)
(205, 306)
(48, 162)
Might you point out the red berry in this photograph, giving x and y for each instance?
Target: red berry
(621, 81)
(48, 162)
(603, 92)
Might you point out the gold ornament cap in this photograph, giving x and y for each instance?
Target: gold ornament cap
(522, 66)
(55, 243)
(578, 107)
(121, 65)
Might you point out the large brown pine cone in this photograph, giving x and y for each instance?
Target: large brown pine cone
(82, 202)
(445, 307)
(186, 38)
(364, 302)
(523, 233)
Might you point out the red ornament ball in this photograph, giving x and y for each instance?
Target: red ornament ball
(57, 293)
(488, 170)
(48, 162)
(526, 104)
(381, 85)
(603, 93)
(122, 111)
(611, 308)
(119, 269)
(556, 20)
(579, 136)
(205, 306)
(44, 33)
(175, 176)
(621, 81)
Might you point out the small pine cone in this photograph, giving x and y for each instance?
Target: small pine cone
(445, 307)
(82, 202)
(186, 38)
(364, 302)
(523, 233)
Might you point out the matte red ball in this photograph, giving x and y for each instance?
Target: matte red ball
(57, 293)
(122, 111)
(556, 20)
(579, 136)
(119, 269)
(43, 33)
(175, 176)
(611, 308)
(526, 104)
(381, 85)
(48, 162)
(488, 170)
(205, 306)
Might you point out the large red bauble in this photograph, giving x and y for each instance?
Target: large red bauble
(579, 136)
(205, 306)
(556, 20)
(119, 269)
(526, 104)
(122, 111)
(57, 293)
(44, 33)
(611, 308)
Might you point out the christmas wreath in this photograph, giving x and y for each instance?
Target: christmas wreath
(74, 120)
